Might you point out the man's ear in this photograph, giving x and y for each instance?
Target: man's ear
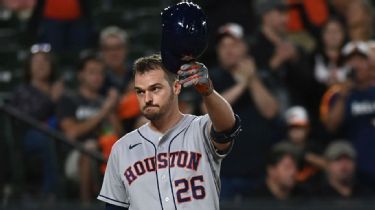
(177, 87)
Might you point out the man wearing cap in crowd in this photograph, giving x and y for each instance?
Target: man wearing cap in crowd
(350, 108)
(114, 48)
(236, 79)
(310, 159)
(340, 179)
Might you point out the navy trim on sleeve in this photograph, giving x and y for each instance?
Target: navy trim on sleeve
(113, 200)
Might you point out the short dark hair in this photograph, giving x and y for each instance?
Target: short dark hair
(278, 152)
(87, 56)
(150, 63)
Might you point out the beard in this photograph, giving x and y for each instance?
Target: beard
(152, 116)
(158, 114)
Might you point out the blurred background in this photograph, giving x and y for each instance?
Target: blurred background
(299, 73)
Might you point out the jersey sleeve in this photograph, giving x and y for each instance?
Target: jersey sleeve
(113, 190)
(205, 125)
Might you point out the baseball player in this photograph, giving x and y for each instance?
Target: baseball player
(172, 162)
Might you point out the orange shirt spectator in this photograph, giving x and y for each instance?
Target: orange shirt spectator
(62, 10)
(316, 11)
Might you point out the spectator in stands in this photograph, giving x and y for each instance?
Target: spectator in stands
(310, 162)
(327, 68)
(360, 20)
(114, 49)
(64, 24)
(36, 98)
(220, 12)
(348, 108)
(237, 79)
(281, 171)
(84, 117)
(277, 56)
(340, 179)
(118, 74)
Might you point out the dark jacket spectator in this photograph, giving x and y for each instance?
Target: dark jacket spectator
(85, 116)
(310, 160)
(340, 182)
(37, 98)
(281, 171)
(114, 45)
(275, 55)
(237, 80)
(326, 69)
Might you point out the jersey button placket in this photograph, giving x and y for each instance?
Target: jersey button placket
(165, 190)
(160, 145)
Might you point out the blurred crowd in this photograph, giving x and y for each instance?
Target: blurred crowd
(303, 83)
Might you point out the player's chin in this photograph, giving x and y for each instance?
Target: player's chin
(151, 115)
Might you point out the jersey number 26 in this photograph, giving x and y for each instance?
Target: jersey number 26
(184, 186)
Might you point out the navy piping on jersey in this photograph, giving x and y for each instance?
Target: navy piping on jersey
(169, 168)
(114, 200)
(210, 163)
(156, 168)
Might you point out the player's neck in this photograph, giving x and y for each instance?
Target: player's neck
(166, 122)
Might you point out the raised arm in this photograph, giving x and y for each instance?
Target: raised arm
(224, 123)
(335, 116)
(74, 128)
(221, 115)
(264, 101)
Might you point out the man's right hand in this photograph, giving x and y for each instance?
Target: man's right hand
(244, 71)
(284, 52)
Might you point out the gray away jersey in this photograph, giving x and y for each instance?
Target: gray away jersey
(177, 170)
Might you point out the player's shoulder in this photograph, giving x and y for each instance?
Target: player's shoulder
(126, 139)
(200, 118)
(195, 121)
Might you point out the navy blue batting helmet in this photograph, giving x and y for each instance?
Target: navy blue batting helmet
(184, 34)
